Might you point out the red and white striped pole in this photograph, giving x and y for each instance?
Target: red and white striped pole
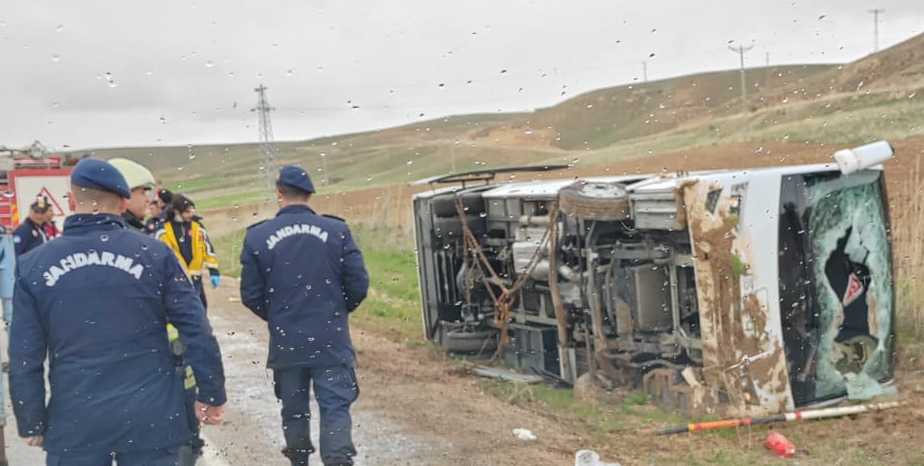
(820, 413)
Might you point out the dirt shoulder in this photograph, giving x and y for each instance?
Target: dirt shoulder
(413, 408)
(418, 408)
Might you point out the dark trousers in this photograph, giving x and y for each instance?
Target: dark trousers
(157, 457)
(189, 454)
(335, 391)
(197, 282)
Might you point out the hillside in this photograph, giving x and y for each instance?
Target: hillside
(873, 98)
(795, 114)
(606, 117)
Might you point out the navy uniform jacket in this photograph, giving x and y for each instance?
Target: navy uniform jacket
(96, 301)
(153, 224)
(303, 274)
(28, 236)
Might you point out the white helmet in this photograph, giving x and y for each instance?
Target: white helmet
(136, 175)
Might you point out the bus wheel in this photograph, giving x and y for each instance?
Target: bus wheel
(594, 201)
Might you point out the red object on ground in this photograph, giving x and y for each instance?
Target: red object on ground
(780, 445)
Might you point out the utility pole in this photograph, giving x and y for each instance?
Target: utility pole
(267, 154)
(644, 71)
(740, 50)
(875, 13)
(767, 83)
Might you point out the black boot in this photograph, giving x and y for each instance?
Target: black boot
(298, 456)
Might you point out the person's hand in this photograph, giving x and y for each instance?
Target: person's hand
(208, 414)
(216, 280)
(36, 441)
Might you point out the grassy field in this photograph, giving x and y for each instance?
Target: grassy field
(364, 177)
(907, 221)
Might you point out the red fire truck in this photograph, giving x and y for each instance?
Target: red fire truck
(25, 178)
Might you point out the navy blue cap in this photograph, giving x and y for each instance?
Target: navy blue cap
(99, 174)
(296, 177)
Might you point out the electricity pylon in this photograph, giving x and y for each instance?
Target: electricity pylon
(267, 153)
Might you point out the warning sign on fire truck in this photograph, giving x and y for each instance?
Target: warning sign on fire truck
(26, 185)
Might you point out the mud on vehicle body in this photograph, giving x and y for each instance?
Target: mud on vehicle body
(748, 291)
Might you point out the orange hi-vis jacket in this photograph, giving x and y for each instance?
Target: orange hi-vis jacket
(203, 255)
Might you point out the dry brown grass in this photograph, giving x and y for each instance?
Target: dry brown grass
(908, 250)
(384, 215)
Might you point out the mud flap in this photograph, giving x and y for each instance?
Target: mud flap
(669, 388)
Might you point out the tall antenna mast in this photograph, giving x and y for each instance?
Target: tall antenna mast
(267, 154)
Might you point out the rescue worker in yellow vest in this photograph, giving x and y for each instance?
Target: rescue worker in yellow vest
(89, 308)
(186, 235)
(142, 184)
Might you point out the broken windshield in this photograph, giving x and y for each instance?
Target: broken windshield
(836, 295)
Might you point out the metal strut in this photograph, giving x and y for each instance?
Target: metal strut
(506, 299)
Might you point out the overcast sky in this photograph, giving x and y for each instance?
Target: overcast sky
(88, 73)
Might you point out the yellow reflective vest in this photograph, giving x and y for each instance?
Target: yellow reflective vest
(203, 255)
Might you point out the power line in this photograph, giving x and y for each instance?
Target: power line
(525, 76)
(875, 13)
(267, 154)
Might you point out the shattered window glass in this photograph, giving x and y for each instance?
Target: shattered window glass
(837, 306)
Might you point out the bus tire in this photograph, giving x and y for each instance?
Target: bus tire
(595, 201)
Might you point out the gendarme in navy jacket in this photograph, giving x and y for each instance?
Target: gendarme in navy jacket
(97, 301)
(303, 274)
